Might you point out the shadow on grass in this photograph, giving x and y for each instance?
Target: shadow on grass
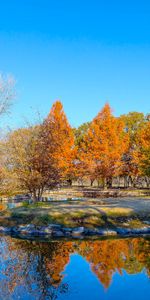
(88, 216)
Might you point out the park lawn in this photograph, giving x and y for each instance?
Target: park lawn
(90, 213)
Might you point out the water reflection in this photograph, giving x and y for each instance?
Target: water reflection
(12, 203)
(65, 269)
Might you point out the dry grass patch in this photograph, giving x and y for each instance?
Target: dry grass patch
(117, 211)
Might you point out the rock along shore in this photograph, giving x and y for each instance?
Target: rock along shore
(58, 231)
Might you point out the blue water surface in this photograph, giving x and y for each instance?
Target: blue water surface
(98, 269)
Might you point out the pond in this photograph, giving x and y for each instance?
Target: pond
(9, 205)
(78, 269)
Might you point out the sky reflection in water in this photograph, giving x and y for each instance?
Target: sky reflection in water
(102, 269)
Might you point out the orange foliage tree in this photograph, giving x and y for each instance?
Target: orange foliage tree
(58, 137)
(103, 146)
(40, 157)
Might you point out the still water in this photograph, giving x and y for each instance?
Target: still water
(100, 269)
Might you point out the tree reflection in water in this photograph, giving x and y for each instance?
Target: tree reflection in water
(35, 269)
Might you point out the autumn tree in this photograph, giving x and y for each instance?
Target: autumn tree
(141, 152)
(26, 164)
(40, 157)
(58, 137)
(104, 145)
(133, 123)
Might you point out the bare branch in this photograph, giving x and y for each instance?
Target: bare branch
(7, 93)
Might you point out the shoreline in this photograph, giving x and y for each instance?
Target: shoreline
(79, 218)
(59, 231)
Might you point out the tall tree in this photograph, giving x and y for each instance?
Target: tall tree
(58, 137)
(104, 145)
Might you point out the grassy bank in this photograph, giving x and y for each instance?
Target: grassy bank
(90, 213)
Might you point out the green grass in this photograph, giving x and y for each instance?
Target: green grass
(89, 213)
(67, 220)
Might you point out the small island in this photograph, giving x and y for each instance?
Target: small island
(67, 213)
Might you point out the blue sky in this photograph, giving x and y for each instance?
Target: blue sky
(82, 52)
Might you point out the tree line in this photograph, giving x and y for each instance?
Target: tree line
(40, 157)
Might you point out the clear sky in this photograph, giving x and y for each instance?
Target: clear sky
(83, 52)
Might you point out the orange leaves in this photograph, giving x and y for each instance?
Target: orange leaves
(45, 155)
(104, 144)
(59, 137)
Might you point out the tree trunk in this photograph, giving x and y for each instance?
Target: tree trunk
(98, 182)
(109, 182)
(147, 180)
(37, 194)
(118, 181)
(132, 181)
(91, 182)
(69, 182)
(105, 184)
(126, 181)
